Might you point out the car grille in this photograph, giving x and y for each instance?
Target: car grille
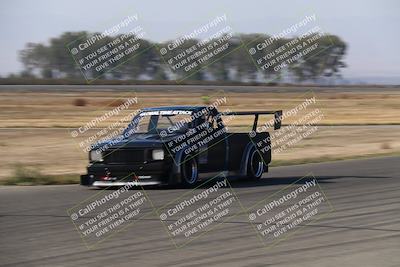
(124, 156)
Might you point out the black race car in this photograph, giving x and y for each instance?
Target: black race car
(179, 145)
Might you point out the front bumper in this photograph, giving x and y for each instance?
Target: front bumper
(87, 180)
(104, 175)
(136, 183)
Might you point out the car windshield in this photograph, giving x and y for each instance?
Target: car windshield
(154, 122)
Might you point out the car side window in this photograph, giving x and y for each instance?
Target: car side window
(211, 121)
(219, 121)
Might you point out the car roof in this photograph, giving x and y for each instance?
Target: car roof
(187, 108)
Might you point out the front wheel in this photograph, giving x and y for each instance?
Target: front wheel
(255, 165)
(189, 171)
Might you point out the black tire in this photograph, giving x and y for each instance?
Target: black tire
(255, 165)
(189, 171)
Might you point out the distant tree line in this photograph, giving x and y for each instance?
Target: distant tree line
(53, 60)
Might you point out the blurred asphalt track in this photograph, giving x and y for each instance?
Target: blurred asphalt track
(364, 229)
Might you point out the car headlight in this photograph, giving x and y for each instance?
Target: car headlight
(157, 154)
(95, 155)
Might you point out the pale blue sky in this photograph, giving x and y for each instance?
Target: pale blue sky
(370, 27)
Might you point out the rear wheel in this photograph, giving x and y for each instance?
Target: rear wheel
(189, 171)
(255, 165)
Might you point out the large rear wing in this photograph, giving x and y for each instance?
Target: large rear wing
(277, 116)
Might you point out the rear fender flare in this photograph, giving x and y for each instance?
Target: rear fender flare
(245, 158)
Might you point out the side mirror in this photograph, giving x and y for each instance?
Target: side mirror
(277, 119)
(191, 125)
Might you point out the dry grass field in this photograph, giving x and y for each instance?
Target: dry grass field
(35, 127)
(57, 109)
